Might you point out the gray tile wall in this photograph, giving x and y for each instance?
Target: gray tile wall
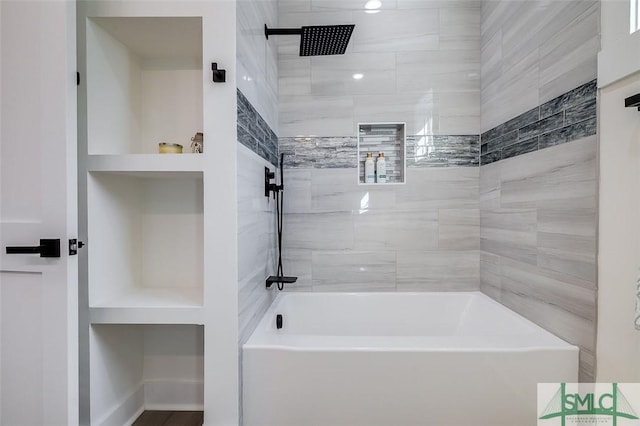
(256, 241)
(420, 61)
(341, 151)
(533, 51)
(257, 115)
(256, 59)
(254, 132)
(538, 240)
(420, 236)
(566, 118)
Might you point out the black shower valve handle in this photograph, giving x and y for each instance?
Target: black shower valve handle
(268, 186)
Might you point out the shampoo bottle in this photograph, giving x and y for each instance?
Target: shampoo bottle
(369, 169)
(381, 169)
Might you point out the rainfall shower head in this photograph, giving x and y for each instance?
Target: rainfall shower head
(319, 39)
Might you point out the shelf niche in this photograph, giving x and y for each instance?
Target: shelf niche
(145, 239)
(145, 367)
(388, 138)
(144, 83)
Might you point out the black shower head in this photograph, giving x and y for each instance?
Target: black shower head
(318, 39)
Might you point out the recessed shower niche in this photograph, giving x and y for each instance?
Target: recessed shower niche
(387, 138)
(144, 83)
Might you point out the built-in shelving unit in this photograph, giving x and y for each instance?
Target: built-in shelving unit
(145, 211)
(388, 138)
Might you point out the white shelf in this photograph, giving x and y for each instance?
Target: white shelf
(151, 306)
(141, 164)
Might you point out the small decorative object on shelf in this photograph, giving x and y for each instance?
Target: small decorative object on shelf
(369, 169)
(169, 148)
(197, 143)
(381, 169)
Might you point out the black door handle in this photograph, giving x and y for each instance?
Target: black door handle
(47, 248)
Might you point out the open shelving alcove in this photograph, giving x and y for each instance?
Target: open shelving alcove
(146, 233)
(145, 367)
(143, 83)
(144, 86)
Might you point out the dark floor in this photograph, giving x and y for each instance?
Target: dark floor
(170, 418)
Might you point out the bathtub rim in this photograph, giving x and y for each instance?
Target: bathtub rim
(262, 339)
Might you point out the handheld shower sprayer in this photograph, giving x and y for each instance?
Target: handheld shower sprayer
(278, 194)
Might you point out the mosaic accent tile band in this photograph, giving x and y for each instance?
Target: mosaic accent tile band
(566, 118)
(254, 132)
(341, 152)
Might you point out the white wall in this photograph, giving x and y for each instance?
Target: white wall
(618, 346)
(616, 59)
(619, 246)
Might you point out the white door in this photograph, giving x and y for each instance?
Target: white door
(38, 295)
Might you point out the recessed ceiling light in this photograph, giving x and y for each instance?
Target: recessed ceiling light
(358, 76)
(373, 4)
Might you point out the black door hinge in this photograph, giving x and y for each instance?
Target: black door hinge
(74, 245)
(77, 78)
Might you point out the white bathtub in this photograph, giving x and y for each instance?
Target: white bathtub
(398, 359)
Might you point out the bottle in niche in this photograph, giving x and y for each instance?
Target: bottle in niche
(381, 169)
(369, 169)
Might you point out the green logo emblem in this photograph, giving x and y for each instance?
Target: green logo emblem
(614, 405)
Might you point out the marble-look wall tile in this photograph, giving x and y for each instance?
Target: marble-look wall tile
(331, 231)
(341, 236)
(257, 115)
(533, 52)
(459, 229)
(397, 230)
(566, 118)
(353, 270)
(438, 270)
(451, 188)
(577, 96)
(396, 30)
(257, 60)
(297, 263)
(256, 241)
(420, 63)
(332, 74)
(538, 237)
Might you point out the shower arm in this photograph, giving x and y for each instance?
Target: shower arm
(281, 31)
